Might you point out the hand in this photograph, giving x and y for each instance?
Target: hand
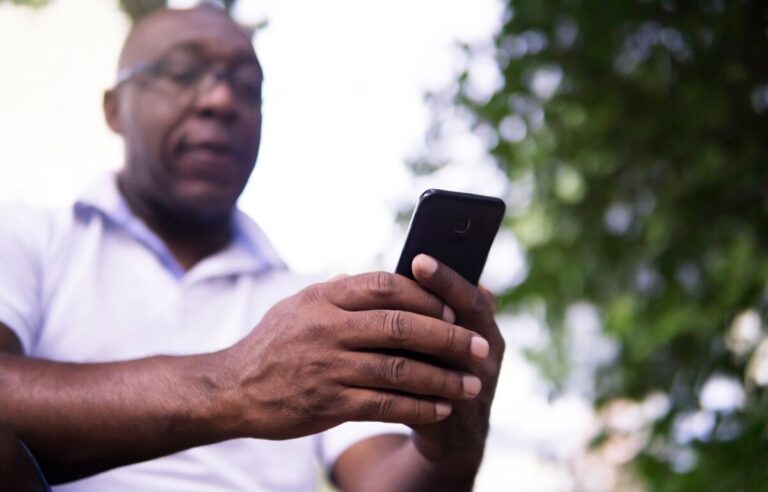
(316, 359)
(461, 437)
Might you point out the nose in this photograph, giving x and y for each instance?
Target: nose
(215, 97)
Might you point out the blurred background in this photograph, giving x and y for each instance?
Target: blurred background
(628, 138)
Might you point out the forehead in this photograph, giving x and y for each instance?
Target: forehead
(206, 29)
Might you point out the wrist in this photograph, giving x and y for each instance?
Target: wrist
(212, 398)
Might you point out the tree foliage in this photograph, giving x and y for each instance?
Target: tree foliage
(27, 3)
(643, 128)
(136, 9)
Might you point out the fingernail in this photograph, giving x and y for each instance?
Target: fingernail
(427, 264)
(448, 315)
(472, 385)
(442, 409)
(479, 348)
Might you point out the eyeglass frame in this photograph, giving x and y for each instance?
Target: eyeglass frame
(219, 71)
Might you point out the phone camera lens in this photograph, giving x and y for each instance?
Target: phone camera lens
(462, 225)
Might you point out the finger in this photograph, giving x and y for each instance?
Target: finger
(467, 300)
(379, 371)
(386, 329)
(384, 290)
(490, 298)
(373, 405)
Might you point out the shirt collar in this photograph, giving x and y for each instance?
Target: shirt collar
(249, 252)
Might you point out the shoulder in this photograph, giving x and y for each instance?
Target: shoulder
(22, 225)
(33, 226)
(30, 236)
(19, 214)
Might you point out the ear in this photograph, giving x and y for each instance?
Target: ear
(111, 103)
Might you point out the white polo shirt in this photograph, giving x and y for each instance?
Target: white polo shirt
(92, 283)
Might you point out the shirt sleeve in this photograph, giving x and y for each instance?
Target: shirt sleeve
(22, 239)
(334, 442)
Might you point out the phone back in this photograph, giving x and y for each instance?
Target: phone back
(454, 228)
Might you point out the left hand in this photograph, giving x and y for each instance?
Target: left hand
(461, 437)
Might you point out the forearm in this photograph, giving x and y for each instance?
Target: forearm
(81, 419)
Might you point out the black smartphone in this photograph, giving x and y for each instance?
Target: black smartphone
(455, 228)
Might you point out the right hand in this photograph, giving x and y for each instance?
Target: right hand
(319, 358)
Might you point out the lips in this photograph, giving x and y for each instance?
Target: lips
(209, 153)
(209, 148)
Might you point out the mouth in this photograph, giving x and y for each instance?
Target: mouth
(211, 159)
(211, 149)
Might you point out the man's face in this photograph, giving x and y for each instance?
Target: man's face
(190, 114)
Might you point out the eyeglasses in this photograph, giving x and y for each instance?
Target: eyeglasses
(183, 74)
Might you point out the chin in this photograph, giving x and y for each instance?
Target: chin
(205, 202)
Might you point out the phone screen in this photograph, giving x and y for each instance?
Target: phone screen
(455, 228)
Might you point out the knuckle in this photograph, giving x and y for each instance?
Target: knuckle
(395, 370)
(315, 331)
(446, 384)
(367, 368)
(319, 403)
(351, 324)
(311, 294)
(382, 284)
(397, 326)
(477, 304)
(319, 328)
(340, 287)
(417, 411)
(384, 404)
(450, 336)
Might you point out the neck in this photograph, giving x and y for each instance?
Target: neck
(189, 240)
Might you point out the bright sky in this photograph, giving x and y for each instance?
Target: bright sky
(343, 109)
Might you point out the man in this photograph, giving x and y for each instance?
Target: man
(152, 339)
